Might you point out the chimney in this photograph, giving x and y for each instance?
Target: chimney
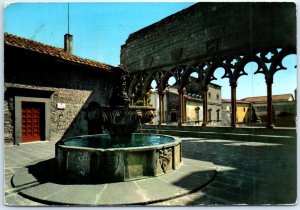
(68, 43)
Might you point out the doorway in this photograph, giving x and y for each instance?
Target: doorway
(33, 121)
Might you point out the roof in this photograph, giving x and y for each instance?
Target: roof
(19, 42)
(237, 101)
(194, 80)
(277, 98)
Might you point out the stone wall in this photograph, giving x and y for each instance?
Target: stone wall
(243, 113)
(191, 114)
(206, 30)
(8, 120)
(34, 75)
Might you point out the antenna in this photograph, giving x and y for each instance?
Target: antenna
(68, 38)
(68, 17)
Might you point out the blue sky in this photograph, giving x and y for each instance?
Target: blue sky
(99, 30)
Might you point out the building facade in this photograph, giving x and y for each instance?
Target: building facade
(193, 105)
(47, 91)
(245, 113)
(284, 109)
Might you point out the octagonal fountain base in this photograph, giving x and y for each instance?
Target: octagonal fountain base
(92, 158)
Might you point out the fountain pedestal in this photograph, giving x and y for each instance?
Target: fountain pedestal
(77, 160)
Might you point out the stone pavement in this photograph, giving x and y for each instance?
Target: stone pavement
(250, 173)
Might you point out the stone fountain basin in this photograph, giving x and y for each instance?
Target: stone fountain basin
(84, 164)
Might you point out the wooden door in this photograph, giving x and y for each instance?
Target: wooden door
(31, 121)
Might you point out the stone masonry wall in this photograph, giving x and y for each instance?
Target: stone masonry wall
(75, 86)
(208, 29)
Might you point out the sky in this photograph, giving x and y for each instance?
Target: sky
(99, 30)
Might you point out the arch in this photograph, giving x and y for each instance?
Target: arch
(136, 87)
(187, 73)
(132, 86)
(240, 68)
(268, 61)
(156, 76)
(147, 83)
(209, 72)
(277, 63)
(164, 80)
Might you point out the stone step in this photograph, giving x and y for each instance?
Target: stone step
(228, 136)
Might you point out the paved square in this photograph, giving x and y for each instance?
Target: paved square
(250, 173)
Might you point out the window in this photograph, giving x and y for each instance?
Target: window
(209, 95)
(209, 115)
(218, 97)
(218, 115)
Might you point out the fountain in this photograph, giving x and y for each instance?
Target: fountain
(121, 155)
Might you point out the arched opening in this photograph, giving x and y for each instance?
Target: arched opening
(171, 101)
(140, 93)
(220, 100)
(251, 108)
(284, 93)
(285, 81)
(193, 99)
(172, 81)
(252, 84)
(153, 85)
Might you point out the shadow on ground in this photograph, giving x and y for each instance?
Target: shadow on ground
(47, 171)
(249, 173)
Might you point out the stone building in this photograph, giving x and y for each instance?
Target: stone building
(205, 37)
(284, 109)
(193, 104)
(47, 90)
(253, 110)
(245, 113)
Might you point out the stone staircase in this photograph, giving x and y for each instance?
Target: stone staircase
(255, 134)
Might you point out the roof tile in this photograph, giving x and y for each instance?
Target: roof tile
(34, 46)
(258, 99)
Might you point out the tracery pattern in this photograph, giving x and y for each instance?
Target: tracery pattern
(268, 61)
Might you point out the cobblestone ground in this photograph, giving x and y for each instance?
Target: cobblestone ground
(248, 173)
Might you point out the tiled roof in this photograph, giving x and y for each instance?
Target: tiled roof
(258, 99)
(34, 46)
(237, 101)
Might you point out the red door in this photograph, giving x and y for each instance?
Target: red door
(31, 121)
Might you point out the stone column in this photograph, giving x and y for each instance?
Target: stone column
(233, 85)
(161, 107)
(269, 106)
(204, 92)
(144, 100)
(180, 107)
(132, 99)
(184, 108)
